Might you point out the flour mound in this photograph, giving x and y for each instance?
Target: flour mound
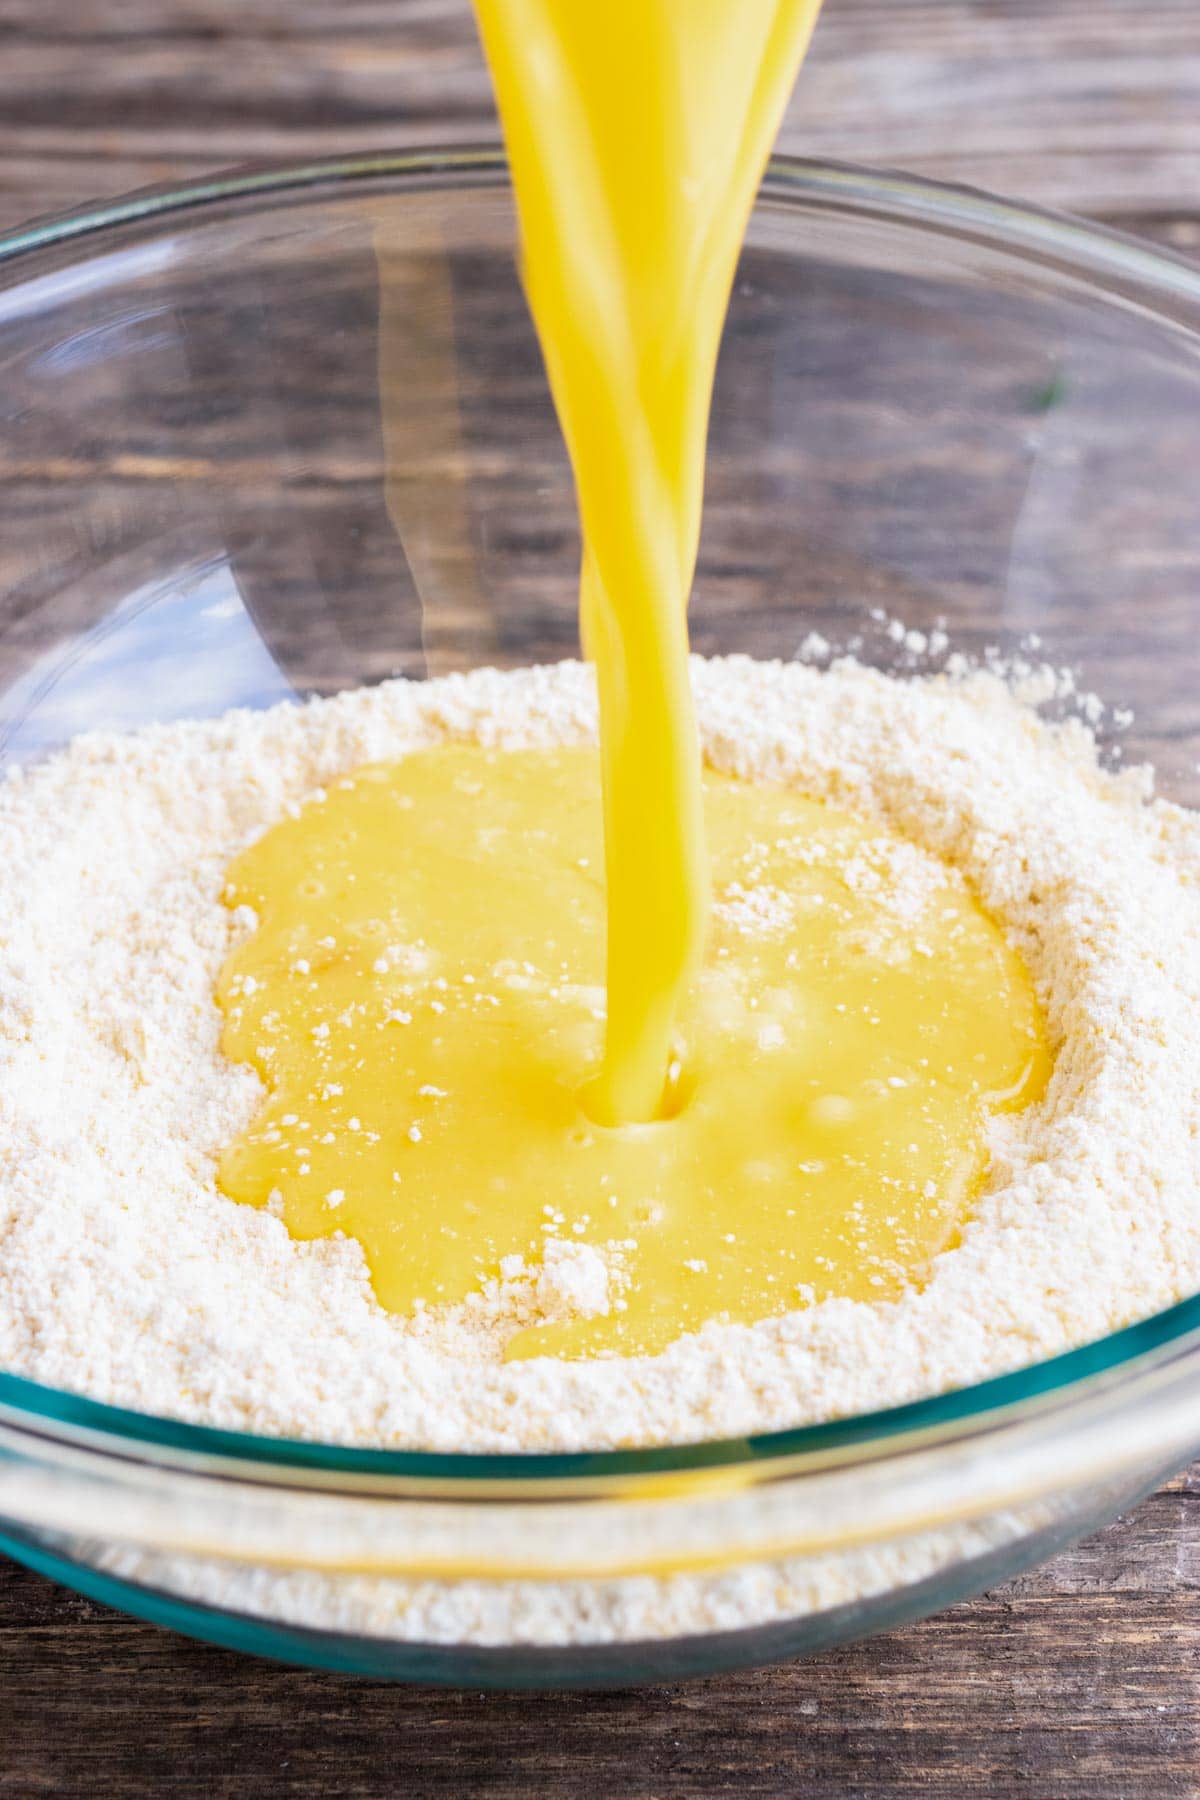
(126, 1275)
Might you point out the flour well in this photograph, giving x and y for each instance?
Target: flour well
(125, 1274)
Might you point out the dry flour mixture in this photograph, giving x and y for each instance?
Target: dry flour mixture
(126, 1274)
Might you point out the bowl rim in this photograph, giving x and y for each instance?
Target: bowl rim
(1042, 233)
(1124, 267)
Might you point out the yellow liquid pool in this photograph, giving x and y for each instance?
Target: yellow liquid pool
(424, 997)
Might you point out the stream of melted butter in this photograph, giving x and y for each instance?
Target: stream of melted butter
(637, 133)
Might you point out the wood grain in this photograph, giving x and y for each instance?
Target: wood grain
(1077, 1683)
(1080, 1679)
(1089, 104)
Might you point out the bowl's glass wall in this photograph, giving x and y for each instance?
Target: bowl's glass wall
(345, 1622)
(203, 503)
(928, 408)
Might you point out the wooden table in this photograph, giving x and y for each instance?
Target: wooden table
(1083, 1677)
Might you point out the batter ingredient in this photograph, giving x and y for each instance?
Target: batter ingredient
(126, 1273)
(594, 1611)
(423, 999)
(637, 132)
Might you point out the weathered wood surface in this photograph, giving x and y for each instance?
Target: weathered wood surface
(1078, 1682)
(1083, 103)
(1083, 1678)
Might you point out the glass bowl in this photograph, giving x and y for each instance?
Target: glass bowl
(931, 406)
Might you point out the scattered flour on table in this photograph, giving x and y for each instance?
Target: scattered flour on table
(125, 1274)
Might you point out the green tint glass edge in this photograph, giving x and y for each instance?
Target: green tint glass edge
(1172, 1329)
(543, 1666)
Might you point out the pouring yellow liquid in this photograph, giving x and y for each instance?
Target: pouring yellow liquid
(489, 1014)
(637, 133)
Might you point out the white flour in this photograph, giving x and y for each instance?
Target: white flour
(125, 1274)
(629, 1609)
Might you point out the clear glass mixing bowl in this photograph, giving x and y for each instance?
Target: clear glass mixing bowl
(930, 404)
